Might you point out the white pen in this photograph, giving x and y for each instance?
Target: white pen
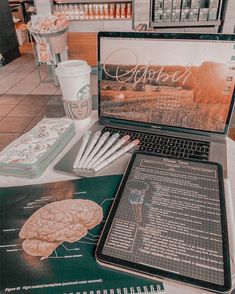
(117, 155)
(82, 148)
(118, 145)
(103, 149)
(89, 148)
(101, 141)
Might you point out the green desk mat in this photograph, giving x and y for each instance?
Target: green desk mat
(72, 268)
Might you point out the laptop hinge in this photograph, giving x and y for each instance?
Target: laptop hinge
(191, 132)
(124, 123)
(161, 129)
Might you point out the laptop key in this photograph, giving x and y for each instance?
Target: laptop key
(197, 153)
(192, 156)
(167, 145)
(150, 149)
(159, 151)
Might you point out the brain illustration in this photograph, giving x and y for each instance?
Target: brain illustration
(37, 247)
(67, 220)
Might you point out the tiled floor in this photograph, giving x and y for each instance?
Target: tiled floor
(21, 76)
(25, 99)
(19, 113)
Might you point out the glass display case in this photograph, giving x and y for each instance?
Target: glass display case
(191, 15)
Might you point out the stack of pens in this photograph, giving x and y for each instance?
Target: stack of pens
(99, 150)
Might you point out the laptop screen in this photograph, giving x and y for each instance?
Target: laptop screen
(183, 81)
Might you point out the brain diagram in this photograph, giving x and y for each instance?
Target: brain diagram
(57, 222)
(137, 191)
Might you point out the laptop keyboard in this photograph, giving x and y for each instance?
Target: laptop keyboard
(166, 145)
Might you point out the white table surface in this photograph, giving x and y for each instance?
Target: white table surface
(50, 175)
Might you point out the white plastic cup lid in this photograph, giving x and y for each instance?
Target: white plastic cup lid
(73, 68)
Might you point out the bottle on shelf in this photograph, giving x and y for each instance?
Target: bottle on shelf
(101, 10)
(76, 12)
(94, 11)
(86, 11)
(91, 14)
(129, 10)
(118, 10)
(106, 11)
(111, 10)
(82, 11)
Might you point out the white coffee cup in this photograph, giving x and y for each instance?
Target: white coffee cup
(74, 80)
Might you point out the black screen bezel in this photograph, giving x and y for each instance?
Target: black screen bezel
(159, 273)
(154, 35)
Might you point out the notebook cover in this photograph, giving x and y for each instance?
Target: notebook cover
(35, 145)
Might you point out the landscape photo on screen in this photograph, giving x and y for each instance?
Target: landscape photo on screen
(185, 84)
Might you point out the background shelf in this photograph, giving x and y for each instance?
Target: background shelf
(185, 23)
(89, 2)
(201, 14)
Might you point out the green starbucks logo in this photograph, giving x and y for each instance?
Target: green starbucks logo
(84, 92)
